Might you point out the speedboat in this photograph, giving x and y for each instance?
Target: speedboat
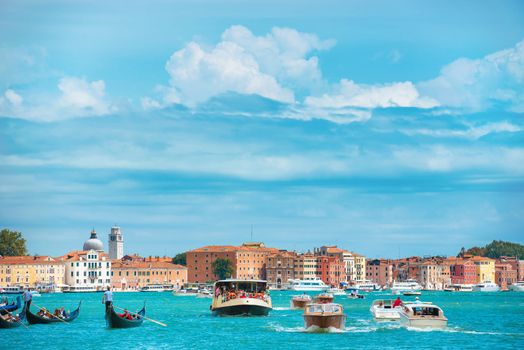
(412, 293)
(459, 288)
(356, 295)
(241, 297)
(517, 286)
(422, 315)
(323, 317)
(324, 298)
(309, 285)
(368, 286)
(188, 292)
(383, 310)
(300, 301)
(204, 293)
(486, 287)
(409, 285)
(336, 291)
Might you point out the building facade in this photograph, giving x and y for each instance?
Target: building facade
(87, 269)
(280, 268)
(331, 270)
(380, 271)
(306, 267)
(463, 272)
(132, 275)
(505, 275)
(31, 271)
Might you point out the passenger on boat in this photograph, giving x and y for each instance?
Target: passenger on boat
(57, 313)
(217, 292)
(417, 301)
(126, 315)
(397, 302)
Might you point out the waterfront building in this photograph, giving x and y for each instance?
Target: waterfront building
(485, 269)
(354, 264)
(359, 272)
(380, 271)
(430, 275)
(116, 243)
(516, 264)
(280, 268)
(87, 269)
(31, 271)
(462, 271)
(134, 274)
(505, 275)
(331, 270)
(306, 267)
(248, 261)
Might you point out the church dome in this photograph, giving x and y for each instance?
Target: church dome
(93, 243)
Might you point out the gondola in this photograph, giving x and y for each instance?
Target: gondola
(11, 307)
(13, 324)
(35, 319)
(115, 321)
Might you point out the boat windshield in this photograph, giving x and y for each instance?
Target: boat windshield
(245, 286)
(320, 308)
(426, 311)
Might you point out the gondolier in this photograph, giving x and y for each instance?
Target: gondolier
(28, 297)
(108, 298)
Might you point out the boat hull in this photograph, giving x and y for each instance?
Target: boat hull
(115, 321)
(324, 323)
(35, 319)
(381, 314)
(426, 322)
(299, 303)
(242, 310)
(517, 288)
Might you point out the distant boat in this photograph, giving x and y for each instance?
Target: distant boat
(459, 288)
(368, 286)
(486, 287)
(309, 285)
(383, 310)
(517, 286)
(12, 321)
(157, 288)
(324, 298)
(409, 285)
(336, 291)
(300, 301)
(412, 293)
(11, 290)
(9, 307)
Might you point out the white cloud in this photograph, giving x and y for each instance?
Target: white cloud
(13, 98)
(82, 97)
(478, 84)
(351, 94)
(271, 66)
(472, 132)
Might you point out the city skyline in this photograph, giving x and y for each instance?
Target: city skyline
(385, 129)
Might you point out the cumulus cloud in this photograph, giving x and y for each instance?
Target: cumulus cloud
(83, 97)
(272, 66)
(478, 84)
(351, 94)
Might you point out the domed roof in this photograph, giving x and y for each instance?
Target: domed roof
(93, 243)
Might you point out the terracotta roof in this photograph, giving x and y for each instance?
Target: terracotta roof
(230, 248)
(24, 260)
(117, 264)
(75, 255)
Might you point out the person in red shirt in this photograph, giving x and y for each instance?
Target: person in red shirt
(397, 302)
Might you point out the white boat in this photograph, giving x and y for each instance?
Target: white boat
(412, 293)
(459, 288)
(517, 286)
(486, 287)
(309, 285)
(241, 297)
(383, 310)
(204, 293)
(336, 291)
(368, 286)
(187, 292)
(156, 288)
(79, 289)
(422, 315)
(11, 290)
(407, 286)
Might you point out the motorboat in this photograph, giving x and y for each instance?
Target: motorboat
(11, 290)
(324, 298)
(486, 287)
(422, 315)
(517, 286)
(356, 295)
(309, 285)
(324, 317)
(412, 293)
(241, 297)
(383, 310)
(156, 288)
(187, 292)
(204, 293)
(79, 289)
(401, 287)
(300, 301)
(459, 288)
(368, 286)
(336, 291)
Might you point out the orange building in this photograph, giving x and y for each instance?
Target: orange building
(331, 270)
(128, 274)
(248, 261)
(280, 268)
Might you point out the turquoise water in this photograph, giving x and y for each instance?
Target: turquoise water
(476, 321)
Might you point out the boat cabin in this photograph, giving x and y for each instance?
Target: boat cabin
(423, 310)
(232, 288)
(324, 309)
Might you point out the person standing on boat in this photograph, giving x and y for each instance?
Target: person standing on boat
(28, 297)
(397, 302)
(108, 298)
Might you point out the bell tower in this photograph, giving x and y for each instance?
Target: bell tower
(116, 243)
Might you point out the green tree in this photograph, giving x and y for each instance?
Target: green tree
(496, 249)
(222, 268)
(180, 259)
(12, 243)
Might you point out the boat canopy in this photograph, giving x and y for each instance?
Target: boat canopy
(251, 286)
(425, 310)
(321, 308)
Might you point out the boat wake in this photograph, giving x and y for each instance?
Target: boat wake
(457, 330)
(316, 329)
(281, 308)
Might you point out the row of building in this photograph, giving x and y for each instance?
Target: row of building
(338, 267)
(91, 268)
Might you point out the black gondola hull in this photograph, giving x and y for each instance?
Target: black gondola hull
(115, 321)
(35, 319)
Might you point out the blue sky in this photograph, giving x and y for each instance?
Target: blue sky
(385, 128)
